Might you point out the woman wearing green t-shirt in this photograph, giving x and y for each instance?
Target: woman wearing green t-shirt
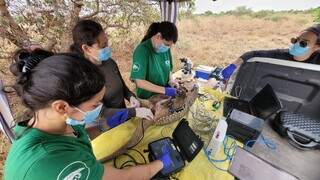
(60, 89)
(152, 60)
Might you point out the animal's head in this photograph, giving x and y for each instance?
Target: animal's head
(187, 92)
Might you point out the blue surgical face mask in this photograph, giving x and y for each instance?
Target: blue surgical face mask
(89, 117)
(297, 50)
(162, 48)
(104, 54)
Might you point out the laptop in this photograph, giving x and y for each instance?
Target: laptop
(247, 166)
(263, 105)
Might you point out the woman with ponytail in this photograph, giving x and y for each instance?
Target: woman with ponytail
(152, 60)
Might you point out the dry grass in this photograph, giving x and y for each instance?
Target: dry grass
(220, 40)
(209, 40)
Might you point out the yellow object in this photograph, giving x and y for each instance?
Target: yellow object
(199, 168)
(110, 141)
(220, 96)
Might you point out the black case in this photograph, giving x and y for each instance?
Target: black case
(302, 130)
(186, 143)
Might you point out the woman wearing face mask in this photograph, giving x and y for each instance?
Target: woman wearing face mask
(304, 48)
(152, 60)
(47, 146)
(90, 40)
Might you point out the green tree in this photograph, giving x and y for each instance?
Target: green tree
(187, 8)
(50, 22)
(316, 13)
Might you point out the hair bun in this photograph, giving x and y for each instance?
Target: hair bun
(31, 62)
(27, 61)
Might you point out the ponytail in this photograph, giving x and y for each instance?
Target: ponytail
(152, 30)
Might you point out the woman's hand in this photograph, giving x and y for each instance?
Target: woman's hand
(169, 91)
(144, 113)
(165, 158)
(134, 102)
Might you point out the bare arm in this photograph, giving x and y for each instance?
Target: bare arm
(143, 84)
(273, 53)
(142, 172)
(126, 91)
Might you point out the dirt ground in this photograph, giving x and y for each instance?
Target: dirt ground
(208, 40)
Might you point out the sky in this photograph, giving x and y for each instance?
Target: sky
(256, 5)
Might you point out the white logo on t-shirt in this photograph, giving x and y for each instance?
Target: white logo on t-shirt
(74, 175)
(74, 171)
(136, 67)
(167, 62)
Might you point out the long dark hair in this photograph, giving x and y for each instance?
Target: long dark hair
(67, 77)
(167, 29)
(316, 30)
(85, 32)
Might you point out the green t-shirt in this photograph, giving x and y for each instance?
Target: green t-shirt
(151, 66)
(39, 155)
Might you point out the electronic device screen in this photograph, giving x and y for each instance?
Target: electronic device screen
(265, 103)
(247, 166)
(177, 161)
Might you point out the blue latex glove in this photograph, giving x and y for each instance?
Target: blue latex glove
(118, 118)
(165, 158)
(228, 71)
(169, 91)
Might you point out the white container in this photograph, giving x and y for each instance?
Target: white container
(217, 138)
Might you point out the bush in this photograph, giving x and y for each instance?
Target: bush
(316, 13)
(262, 14)
(242, 10)
(208, 13)
(272, 15)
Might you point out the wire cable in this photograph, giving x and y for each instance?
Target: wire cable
(131, 160)
(228, 152)
(144, 159)
(267, 142)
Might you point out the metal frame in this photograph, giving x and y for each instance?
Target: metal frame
(6, 119)
(169, 9)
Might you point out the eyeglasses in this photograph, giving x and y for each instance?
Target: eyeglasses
(302, 43)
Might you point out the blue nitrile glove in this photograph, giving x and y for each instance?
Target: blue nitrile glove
(165, 158)
(227, 71)
(169, 91)
(118, 118)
